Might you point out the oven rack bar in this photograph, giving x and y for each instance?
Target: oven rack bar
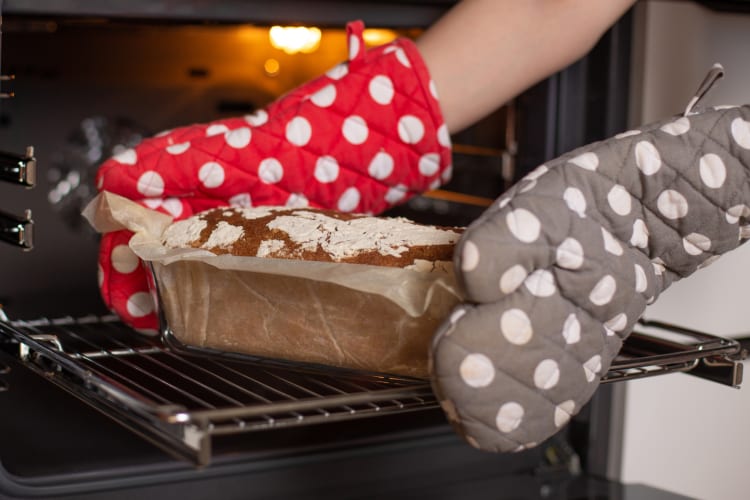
(179, 398)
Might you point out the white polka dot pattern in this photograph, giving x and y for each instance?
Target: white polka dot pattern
(238, 138)
(641, 280)
(696, 243)
(741, 132)
(124, 260)
(580, 239)
(611, 244)
(241, 200)
(627, 133)
(619, 200)
(353, 47)
(410, 129)
(516, 326)
(127, 157)
(381, 90)
(310, 147)
(477, 370)
(402, 58)
(297, 200)
(298, 131)
(603, 291)
(618, 323)
(381, 166)
(396, 194)
(429, 164)
(509, 417)
(563, 412)
(658, 266)
(326, 169)
(469, 256)
(270, 171)
(433, 89)
(349, 200)
(576, 201)
(355, 130)
(443, 137)
(712, 170)
(571, 329)
(547, 374)
(151, 184)
(258, 118)
(569, 255)
(178, 149)
(140, 304)
(677, 127)
(541, 283)
(524, 225)
(511, 279)
(647, 158)
(325, 96)
(735, 212)
(216, 129)
(592, 367)
(587, 161)
(577, 233)
(173, 206)
(211, 175)
(153, 203)
(338, 72)
(672, 204)
(639, 237)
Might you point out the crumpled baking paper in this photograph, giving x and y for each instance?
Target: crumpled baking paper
(348, 315)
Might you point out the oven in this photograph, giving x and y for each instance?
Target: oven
(91, 409)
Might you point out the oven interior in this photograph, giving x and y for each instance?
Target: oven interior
(97, 407)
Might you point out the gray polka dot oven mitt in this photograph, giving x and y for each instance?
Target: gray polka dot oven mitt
(561, 267)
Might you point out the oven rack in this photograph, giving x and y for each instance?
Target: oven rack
(179, 398)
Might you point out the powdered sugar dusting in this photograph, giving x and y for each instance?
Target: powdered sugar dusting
(280, 232)
(183, 233)
(268, 247)
(342, 239)
(255, 212)
(224, 236)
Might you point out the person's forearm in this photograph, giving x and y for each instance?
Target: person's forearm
(485, 52)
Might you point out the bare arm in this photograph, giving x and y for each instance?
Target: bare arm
(485, 52)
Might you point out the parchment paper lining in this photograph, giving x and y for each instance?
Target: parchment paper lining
(411, 290)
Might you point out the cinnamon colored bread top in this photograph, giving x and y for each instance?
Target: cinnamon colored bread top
(313, 234)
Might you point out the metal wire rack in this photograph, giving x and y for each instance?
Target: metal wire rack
(180, 397)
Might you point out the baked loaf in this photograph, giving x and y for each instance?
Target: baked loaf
(313, 234)
(303, 319)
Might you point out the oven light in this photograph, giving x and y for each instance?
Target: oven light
(293, 39)
(376, 37)
(271, 67)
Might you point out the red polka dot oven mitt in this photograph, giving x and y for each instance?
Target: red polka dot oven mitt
(560, 268)
(363, 137)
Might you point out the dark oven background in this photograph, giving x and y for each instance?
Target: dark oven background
(95, 79)
(93, 76)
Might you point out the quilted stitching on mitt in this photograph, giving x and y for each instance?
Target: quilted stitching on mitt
(564, 264)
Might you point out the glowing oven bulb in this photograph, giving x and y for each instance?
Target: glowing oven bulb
(293, 39)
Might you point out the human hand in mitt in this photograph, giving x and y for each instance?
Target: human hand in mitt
(366, 135)
(559, 269)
